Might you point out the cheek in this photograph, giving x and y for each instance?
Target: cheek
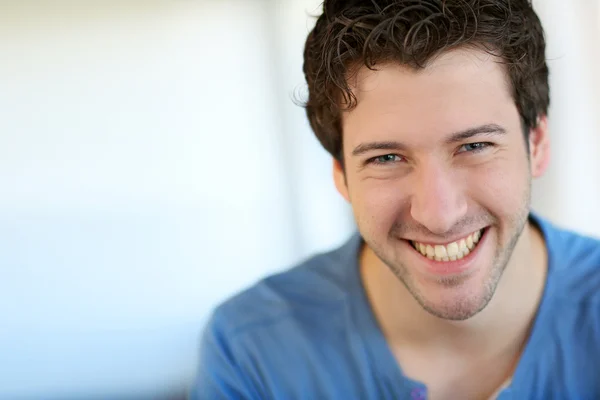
(501, 187)
(377, 204)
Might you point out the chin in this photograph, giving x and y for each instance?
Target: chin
(458, 306)
(458, 297)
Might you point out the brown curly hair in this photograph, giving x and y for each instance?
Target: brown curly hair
(351, 34)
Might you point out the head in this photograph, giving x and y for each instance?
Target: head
(435, 114)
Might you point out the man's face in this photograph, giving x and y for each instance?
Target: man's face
(437, 172)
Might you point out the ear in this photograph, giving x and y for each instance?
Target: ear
(339, 177)
(539, 147)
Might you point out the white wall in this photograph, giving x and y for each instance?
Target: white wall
(143, 167)
(152, 162)
(570, 192)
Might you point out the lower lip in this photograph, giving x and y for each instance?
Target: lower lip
(449, 268)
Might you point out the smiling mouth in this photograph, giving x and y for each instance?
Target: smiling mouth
(451, 251)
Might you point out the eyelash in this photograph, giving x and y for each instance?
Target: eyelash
(481, 146)
(375, 161)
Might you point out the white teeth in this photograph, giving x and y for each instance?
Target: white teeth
(430, 252)
(440, 251)
(450, 252)
(452, 249)
(470, 243)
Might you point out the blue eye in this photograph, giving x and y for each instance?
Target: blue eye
(474, 147)
(385, 159)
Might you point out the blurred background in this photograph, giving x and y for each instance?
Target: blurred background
(153, 163)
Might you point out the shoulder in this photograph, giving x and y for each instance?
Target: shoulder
(574, 264)
(249, 346)
(315, 285)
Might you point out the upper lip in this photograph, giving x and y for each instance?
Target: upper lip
(434, 242)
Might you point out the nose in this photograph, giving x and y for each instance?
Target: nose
(439, 200)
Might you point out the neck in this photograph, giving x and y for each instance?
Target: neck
(503, 324)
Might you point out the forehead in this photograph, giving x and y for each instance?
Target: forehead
(456, 91)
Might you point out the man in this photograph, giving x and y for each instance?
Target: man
(435, 114)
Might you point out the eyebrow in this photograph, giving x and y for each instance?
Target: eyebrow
(487, 130)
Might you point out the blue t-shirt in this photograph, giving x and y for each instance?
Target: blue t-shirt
(309, 333)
